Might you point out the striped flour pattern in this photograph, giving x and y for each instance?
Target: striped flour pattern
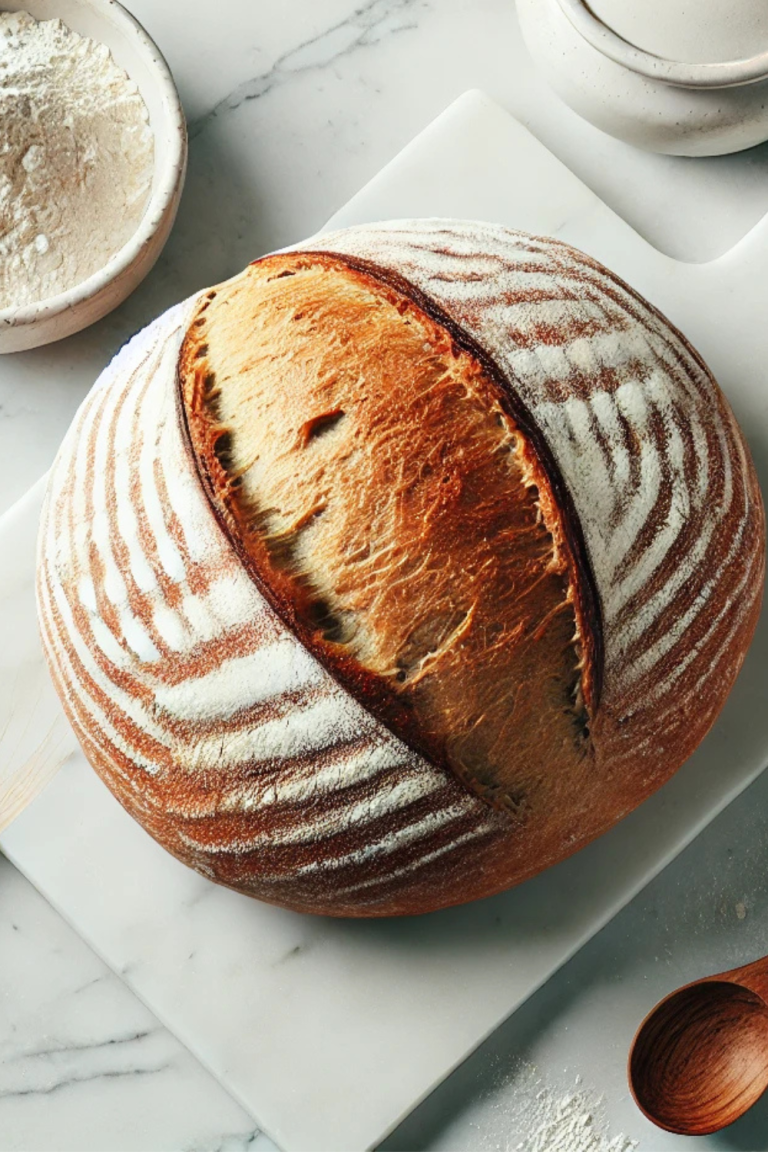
(649, 451)
(205, 715)
(239, 751)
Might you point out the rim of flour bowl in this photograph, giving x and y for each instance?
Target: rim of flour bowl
(722, 74)
(168, 174)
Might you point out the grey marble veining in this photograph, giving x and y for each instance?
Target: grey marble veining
(365, 26)
(84, 1066)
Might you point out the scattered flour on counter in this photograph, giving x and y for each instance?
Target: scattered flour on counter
(570, 1122)
(76, 158)
(530, 1115)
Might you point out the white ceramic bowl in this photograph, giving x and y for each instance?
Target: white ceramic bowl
(61, 315)
(703, 105)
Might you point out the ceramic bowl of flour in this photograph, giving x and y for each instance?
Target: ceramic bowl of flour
(28, 325)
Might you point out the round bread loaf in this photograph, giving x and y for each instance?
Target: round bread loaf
(399, 567)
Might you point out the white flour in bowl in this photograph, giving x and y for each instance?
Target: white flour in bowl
(76, 158)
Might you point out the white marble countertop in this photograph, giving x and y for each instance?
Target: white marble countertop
(293, 105)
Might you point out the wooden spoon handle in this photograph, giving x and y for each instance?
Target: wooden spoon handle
(753, 976)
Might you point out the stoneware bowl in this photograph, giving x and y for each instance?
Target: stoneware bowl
(666, 75)
(68, 312)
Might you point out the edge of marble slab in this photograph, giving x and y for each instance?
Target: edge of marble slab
(84, 1062)
(590, 204)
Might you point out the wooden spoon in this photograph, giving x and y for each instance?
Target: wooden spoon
(699, 1060)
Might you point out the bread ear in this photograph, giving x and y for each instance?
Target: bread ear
(660, 477)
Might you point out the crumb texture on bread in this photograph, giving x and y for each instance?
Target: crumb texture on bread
(373, 476)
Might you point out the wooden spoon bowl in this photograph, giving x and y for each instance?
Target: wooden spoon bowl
(700, 1058)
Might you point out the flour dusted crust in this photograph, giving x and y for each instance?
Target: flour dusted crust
(660, 477)
(165, 654)
(250, 745)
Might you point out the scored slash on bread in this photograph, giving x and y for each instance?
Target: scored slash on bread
(398, 567)
(375, 484)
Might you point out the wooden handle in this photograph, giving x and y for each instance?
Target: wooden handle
(753, 976)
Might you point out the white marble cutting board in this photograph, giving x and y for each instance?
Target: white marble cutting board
(330, 1031)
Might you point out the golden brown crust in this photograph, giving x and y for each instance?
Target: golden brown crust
(395, 513)
(555, 499)
(239, 752)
